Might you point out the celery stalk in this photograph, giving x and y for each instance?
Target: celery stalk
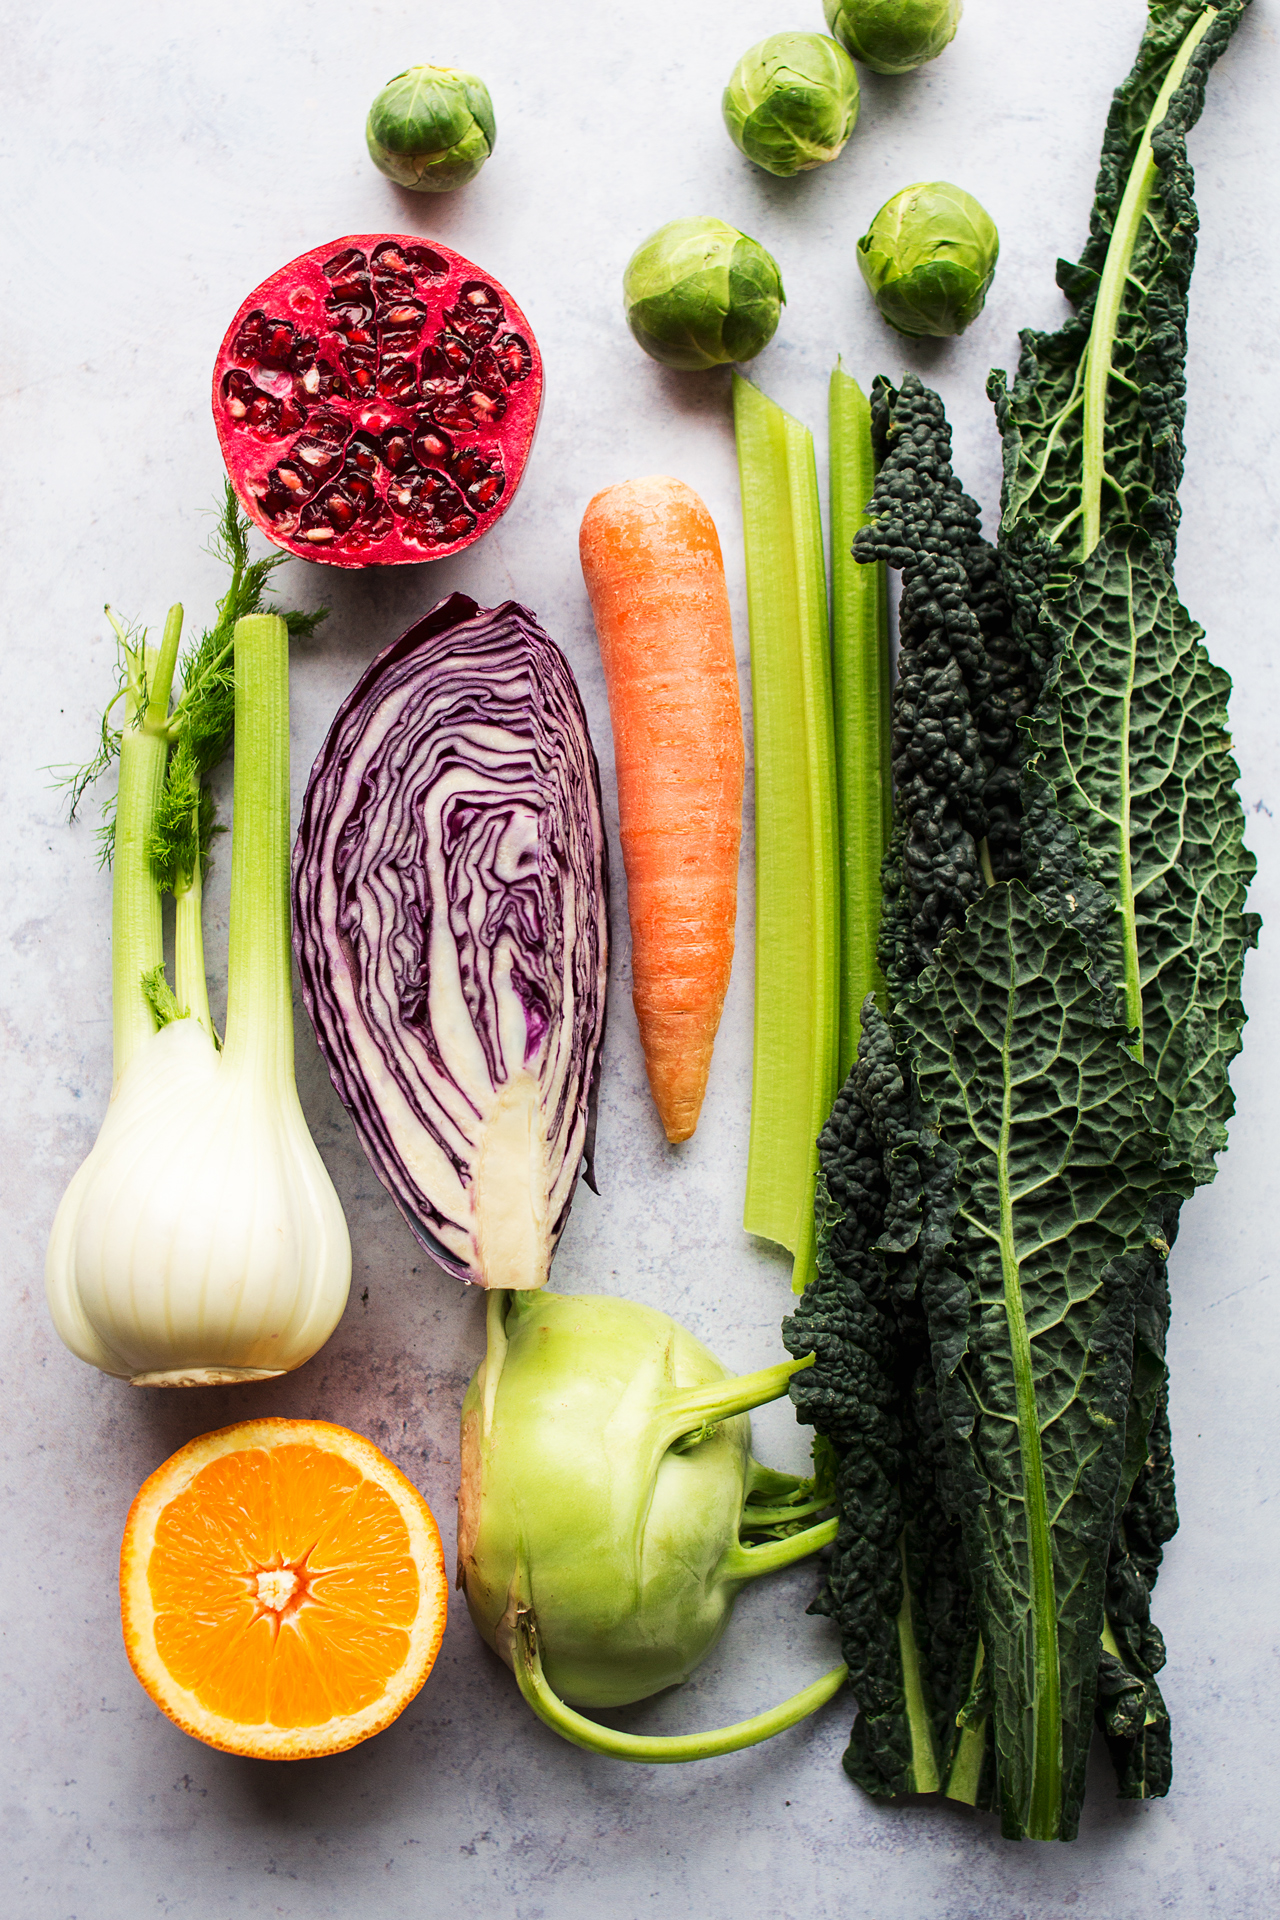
(860, 680)
(797, 895)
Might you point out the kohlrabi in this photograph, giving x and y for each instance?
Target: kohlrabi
(607, 1493)
(201, 1242)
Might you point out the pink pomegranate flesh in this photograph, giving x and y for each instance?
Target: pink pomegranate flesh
(376, 400)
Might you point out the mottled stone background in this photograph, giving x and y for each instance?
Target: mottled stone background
(159, 163)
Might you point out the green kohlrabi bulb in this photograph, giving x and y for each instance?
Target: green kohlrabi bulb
(699, 294)
(431, 129)
(606, 1484)
(893, 36)
(792, 102)
(928, 257)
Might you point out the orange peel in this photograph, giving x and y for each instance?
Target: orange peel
(282, 1589)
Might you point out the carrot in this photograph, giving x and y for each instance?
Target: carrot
(652, 564)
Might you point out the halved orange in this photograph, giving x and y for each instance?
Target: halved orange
(282, 1588)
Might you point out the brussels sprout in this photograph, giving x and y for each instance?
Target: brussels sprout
(928, 258)
(431, 129)
(699, 294)
(792, 102)
(893, 36)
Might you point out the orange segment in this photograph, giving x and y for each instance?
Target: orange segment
(282, 1589)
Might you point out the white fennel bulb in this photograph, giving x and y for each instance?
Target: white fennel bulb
(202, 1241)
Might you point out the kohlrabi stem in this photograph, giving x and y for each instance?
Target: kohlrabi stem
(1111, 286)
(259, 965)
(754, 1519)
(656, 1749)
(686, 1412)
(748, 1563)
(137, 937)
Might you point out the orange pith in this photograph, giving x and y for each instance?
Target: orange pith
(282, 1588)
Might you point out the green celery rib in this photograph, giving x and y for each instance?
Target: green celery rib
(797, 897)
(860, 684)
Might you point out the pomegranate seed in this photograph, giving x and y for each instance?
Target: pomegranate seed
(513, 357)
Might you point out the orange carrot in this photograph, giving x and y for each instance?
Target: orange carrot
(652, 564)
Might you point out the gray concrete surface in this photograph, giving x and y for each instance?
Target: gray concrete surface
(158, 164)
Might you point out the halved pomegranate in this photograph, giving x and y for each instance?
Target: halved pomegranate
(376, 400)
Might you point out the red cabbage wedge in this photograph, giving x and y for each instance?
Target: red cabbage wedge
(451, 912)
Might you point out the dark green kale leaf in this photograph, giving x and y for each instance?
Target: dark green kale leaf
(1130, 1710)
(1041, 414)
(1031, 1309)
(1131, 739)
(963, 684)
(1033, 1149)
(896, 1582)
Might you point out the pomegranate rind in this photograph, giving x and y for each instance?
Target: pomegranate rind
(270, 1741)
(493, 412)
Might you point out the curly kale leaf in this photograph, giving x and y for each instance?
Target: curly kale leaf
(963, 683)
(896, 1582)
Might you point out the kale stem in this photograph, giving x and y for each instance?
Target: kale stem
(965, 1775)
(924, 1761)
(655, 1748)
(1111, 286)
(1039, 1802)
(137, 935)
(259, 965)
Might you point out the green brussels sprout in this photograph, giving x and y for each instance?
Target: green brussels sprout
(893, 36)
(431, 129)
(792, 102)
(699, 294)
(928, 257)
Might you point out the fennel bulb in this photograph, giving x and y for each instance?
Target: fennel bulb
(202, 1241)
